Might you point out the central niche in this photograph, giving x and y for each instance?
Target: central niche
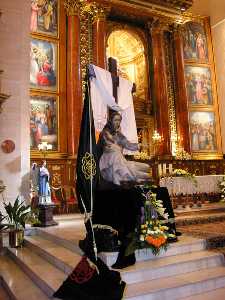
(128, 48)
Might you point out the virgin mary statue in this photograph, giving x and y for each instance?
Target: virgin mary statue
(113, 165)
(44, 187)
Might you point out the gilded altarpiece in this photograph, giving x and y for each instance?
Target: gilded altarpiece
(80, 35)
(48, 87)
(200, 80)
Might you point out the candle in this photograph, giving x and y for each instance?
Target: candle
(159, 170)
(164, 169)
(170, 168)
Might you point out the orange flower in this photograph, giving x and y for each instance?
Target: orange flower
(156, 242)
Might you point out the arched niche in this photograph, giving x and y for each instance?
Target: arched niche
(129, 47)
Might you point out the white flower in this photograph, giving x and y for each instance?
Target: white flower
(142, 238)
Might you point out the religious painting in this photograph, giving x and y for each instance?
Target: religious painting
(195, 42)
(203, 132)
(44, 17)
(43, 121)
(43, 65)
(199, 85)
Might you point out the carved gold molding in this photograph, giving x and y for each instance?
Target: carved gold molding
(171, 94)
(96, 11)
(72, 7)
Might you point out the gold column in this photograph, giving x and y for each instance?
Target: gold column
(74, 89)
(157, 28)
(99, 36)
(182, 99)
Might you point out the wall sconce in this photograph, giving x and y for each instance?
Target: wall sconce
(44, 147)
(3, 97)
(156, 138)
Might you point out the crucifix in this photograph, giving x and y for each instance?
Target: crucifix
(112, 67)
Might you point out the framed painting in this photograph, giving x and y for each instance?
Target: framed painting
(43, 65)
(195, 42)
(203, 132)
(199, 85)
(44, 17)
(43, 121)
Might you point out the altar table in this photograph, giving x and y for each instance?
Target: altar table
(181, 185)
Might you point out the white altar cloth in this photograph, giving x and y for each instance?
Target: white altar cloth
(181, 185)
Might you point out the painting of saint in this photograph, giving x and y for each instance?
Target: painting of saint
(44, 17)
(43, 121)
(43, 65)
(203, 133)
(195, 42)
(199, 85)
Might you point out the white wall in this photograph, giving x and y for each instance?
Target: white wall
(14, 120)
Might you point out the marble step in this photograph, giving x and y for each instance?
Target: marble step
(178, 287)
(172, 266)
(17, 284)
(66, 260)
(59, 256)
(218, 294)
(49, 278)
(186, 244)
(46, 276)
(201, 219)
(71, 244)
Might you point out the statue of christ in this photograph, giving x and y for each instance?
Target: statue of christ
(113, 165)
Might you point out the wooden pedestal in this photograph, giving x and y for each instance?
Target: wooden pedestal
(46, 215)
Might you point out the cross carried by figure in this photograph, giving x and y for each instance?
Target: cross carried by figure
(113, 69)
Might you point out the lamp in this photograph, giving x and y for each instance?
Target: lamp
(156, 139)
(44, 147)
(3, 97)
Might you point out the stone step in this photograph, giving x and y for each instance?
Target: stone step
(59, 256)
(186, 244)
(172, 266)
(218, 294)
(178, 287)
(62, 240)
(49, 278)
(46, 276)
(201, 219)
(17, 284)
(210, 208)
(66, 260)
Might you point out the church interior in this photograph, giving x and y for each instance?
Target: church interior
(172, 52)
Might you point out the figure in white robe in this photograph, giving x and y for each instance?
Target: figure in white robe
(113, 165)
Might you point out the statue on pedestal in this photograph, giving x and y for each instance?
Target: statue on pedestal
(44, 187)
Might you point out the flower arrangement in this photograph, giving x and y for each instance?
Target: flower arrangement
(153, 233)
(222, 189)
(185, 174)
(143, 155)
(181, 154)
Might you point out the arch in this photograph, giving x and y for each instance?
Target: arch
(129, 45)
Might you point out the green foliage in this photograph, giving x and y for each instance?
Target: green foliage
(17, 213)
(33, 217)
